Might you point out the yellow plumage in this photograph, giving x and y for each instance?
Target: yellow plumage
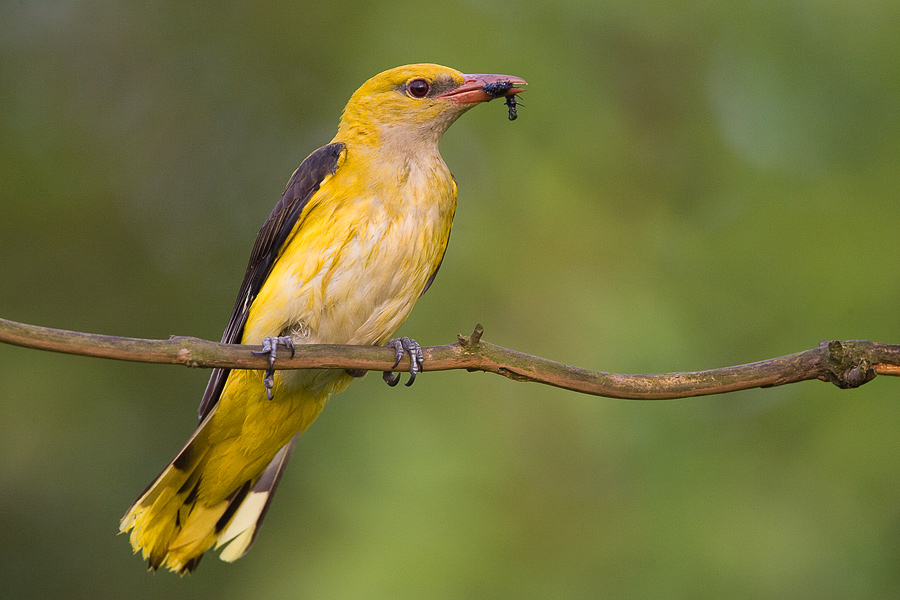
(372, 217)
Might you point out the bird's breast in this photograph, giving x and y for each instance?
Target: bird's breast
(360, 256)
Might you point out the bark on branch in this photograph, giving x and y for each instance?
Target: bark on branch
(847, 364)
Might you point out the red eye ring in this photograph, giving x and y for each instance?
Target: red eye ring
(418, 88)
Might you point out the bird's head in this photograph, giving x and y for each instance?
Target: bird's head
(417, 103)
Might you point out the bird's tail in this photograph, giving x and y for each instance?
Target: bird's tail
(173, 523)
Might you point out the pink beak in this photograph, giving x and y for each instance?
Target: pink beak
(472, 91)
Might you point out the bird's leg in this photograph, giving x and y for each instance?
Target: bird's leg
(269, 346)
(401, 346)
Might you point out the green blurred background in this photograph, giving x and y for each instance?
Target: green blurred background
(690, 185)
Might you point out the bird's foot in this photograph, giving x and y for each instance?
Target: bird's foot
(401, 346)
(270, 346)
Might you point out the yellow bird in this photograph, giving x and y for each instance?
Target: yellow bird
(357, 237)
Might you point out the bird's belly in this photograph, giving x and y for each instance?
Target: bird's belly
(346, 280)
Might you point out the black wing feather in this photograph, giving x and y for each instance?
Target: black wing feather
(301, 187)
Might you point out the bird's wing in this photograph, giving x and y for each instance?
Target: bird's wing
(303, 184)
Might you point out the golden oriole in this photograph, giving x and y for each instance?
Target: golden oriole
(357, 237)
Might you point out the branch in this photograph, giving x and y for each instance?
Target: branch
(847, 364)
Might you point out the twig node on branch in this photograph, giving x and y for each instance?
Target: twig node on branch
(850, 368)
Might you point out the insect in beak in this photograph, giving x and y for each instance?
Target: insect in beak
(500, 88)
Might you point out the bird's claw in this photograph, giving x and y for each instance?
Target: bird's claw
(401, 346)
(390, 378)
(269, 347)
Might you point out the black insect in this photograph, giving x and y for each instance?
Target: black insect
(498, 89)
(511, 103)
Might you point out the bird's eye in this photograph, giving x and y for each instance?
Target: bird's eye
(418, 88)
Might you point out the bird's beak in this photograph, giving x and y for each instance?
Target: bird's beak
(482, 88)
